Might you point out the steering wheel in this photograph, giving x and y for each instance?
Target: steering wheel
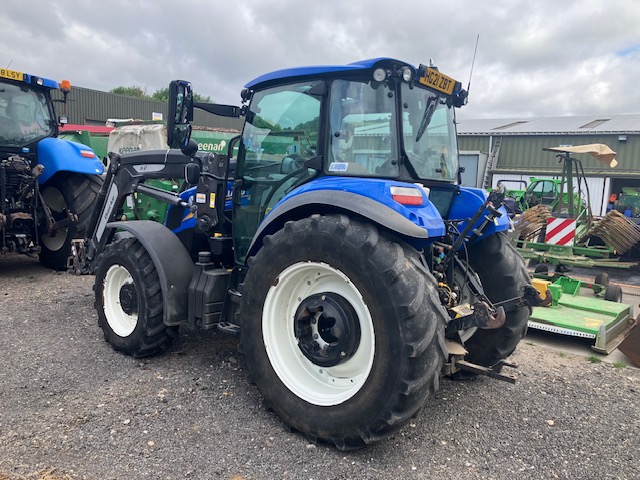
(291, 162)
(531, 199)
(281, 182)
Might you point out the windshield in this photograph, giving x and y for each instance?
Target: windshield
(363, 138)
(24, 116)
(429, 139)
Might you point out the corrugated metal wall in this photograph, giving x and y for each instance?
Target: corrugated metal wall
(92, 107)
(524, 152)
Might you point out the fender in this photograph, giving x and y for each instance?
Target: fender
(172, 261)
(368, 198)
(57, 155)
(467, 201)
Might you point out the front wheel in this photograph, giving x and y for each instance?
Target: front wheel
(503, 275)
(75, 194)
(342, 329)
(129, 300)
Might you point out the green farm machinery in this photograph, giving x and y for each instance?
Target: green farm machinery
(601, 316)
(557, 225)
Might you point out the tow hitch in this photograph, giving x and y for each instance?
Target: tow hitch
(482, 315)
(457, 363)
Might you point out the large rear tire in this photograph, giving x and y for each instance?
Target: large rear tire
(73, 193)
(342, 329)
(503, 275)
(129, 300)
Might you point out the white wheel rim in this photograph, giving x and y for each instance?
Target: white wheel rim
(323, 386)
(122, 323)
(55, 201)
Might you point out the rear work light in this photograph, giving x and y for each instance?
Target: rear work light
(406, 195)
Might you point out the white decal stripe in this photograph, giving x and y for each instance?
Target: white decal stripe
(563, 237)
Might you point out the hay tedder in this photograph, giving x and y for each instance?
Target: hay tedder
(564, 231)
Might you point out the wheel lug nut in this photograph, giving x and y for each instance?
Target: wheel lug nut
(315, 336)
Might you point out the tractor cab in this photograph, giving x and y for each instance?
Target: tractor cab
(375, 119)
(26, 110)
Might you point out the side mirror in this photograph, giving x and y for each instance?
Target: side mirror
(180, 113)
(192, 173)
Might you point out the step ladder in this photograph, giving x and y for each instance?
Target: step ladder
(492, 161)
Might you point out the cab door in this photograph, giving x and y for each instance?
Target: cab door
(280, 134)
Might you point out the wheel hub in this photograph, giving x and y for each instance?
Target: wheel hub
(129, 298)
(327, 329)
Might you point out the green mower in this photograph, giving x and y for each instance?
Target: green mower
(601, 317)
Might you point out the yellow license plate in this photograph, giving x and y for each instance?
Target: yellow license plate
(438, 81)
(11, 74)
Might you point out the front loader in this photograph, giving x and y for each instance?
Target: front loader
(348, 259)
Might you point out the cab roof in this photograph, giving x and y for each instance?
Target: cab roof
(289, 73)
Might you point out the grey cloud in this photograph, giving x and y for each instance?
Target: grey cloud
(535, 57)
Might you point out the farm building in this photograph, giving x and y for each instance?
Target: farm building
(93, 107)
(512, 149)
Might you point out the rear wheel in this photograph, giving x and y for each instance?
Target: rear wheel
(342, 329)
(602, 278)
(613, 293)
(75, 194)
(129, 300)
(503, 274)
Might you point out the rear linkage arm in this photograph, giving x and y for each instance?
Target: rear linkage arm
(485, 314)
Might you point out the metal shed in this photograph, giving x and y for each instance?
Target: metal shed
(93, 107)
(512, 149)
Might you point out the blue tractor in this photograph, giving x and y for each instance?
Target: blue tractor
(47, 185)
(351, 263)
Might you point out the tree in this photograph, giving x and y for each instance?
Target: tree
(160, 95)
(133, 91)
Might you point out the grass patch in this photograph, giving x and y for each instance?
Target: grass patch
(594, 359)
(619, 365)
(562, 355)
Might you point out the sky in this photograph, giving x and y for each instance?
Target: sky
(534, 58)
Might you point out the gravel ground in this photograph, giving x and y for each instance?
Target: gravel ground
(71, 407)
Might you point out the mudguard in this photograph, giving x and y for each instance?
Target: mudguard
(57, 155)
(172, 262)
(467, 202)
(368, 198)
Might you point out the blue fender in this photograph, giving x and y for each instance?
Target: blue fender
(370, 198)
(57, 155)
(466, 203)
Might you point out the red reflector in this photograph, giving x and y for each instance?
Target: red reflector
(87, 153)
(406, 195)
(407, 199)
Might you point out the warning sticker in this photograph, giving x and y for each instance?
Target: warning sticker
(463, 310)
